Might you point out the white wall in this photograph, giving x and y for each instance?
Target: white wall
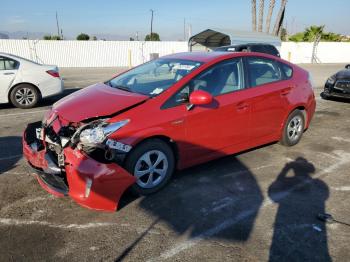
(89, 53)
(121, 53)
(327, 52)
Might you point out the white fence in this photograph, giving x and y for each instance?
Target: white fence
(131, 53)
(327, 52)
(90, 53)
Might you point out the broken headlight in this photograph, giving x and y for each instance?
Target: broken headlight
(98, 134)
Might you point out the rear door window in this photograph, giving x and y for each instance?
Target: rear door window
(8, 64)
(263, 71)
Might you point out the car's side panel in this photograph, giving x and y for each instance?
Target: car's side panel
(222, 124)
(268, 109)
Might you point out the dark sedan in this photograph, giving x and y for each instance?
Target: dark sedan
(338, 85)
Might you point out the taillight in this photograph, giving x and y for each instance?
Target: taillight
(53, 73)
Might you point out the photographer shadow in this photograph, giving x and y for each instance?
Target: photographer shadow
(298, 235)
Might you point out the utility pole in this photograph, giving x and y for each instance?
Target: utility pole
(58, 27)
(184, 29)
(151, 36)
(137, 35)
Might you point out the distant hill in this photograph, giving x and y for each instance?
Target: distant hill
(4, 36)
(40, 35)
(23, 34)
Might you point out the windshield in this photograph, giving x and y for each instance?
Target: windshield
(154, 77)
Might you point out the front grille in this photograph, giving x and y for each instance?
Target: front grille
(343, 85)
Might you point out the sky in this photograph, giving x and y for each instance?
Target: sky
(124, 18)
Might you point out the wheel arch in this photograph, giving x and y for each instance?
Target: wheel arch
(169, 141)
(23, 83)
(302, 108)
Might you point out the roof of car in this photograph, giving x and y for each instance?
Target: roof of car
(200, 56)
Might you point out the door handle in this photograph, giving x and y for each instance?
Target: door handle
(9, 73)
(285, 91)
(242, 106)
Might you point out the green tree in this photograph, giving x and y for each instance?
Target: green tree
(52, 37)
(298, 37)
(153, 37)
(94, 38)
(311, 33)
(83, 36)
(331, 37)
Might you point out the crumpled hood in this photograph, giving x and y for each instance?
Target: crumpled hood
(95, 101)
(343, 74)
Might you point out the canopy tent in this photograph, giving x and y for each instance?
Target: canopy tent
(212, 38)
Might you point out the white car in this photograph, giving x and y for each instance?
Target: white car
(23, 82)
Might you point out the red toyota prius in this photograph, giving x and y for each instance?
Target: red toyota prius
(136, 129)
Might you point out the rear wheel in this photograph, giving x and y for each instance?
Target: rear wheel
(293, 128)
(24, 96)
(152, 163)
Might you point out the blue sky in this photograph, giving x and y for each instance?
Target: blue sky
(125, 18)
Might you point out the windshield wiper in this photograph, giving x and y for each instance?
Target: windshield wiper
(124, 88)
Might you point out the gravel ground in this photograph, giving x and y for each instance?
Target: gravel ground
(256, 206)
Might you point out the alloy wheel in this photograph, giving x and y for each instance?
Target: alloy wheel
(25, 96)
(151, 168)
(295, 128)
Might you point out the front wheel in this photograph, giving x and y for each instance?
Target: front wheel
(152, 163)
(293, 128)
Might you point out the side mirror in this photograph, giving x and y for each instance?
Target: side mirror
(200, 97)
(347, 66)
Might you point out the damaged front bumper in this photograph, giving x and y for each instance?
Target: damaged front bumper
(90, 183)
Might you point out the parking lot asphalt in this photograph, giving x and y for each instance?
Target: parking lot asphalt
(256, 206)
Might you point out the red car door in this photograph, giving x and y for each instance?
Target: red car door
(269, 98)
(223, 126)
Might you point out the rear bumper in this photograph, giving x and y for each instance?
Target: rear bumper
(52, 87)
(90, 183)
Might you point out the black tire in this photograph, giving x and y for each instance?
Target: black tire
(325, 96)
(156, 148)
(24, 96)
(293, 128)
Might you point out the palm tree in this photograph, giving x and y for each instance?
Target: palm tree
(261, 15)
(312, 33)
(254, 15)
(269, 15)
(279, 18)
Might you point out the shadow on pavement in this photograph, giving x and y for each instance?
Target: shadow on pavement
(10, 152)
(298, 234)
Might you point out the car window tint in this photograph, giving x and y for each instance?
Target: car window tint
(7, 64)
(263, 71)
(288, 71)
(220, 79)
